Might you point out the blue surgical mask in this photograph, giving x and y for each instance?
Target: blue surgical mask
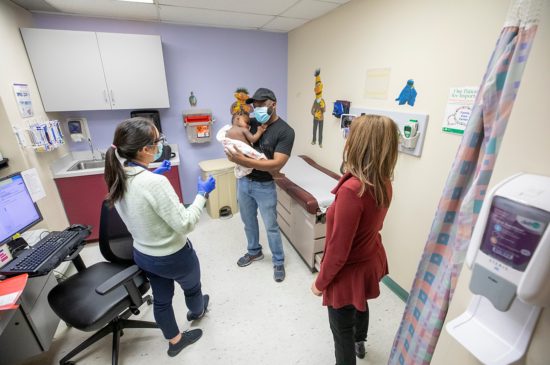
(157, 155)
(261, 114)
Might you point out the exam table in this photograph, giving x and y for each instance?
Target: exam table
(303, 196)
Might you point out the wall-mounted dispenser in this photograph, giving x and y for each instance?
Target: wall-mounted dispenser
(78, 129)
(409, 134)
(412, 127)
(509, 255)
(198, 123)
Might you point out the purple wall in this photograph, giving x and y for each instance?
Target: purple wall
(211, 62)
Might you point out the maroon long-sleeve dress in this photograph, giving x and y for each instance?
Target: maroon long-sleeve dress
(354, 261)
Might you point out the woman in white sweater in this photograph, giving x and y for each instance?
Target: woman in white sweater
(159, 225)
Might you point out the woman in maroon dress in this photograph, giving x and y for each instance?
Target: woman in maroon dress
(354, 260)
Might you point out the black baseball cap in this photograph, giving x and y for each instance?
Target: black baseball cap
(262, 94)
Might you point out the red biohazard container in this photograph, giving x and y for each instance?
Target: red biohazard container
(198, 123)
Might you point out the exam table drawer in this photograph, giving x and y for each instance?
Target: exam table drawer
(302, 217)
(283, 198)
(284, 212)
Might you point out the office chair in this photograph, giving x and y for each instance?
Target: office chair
(102, 297)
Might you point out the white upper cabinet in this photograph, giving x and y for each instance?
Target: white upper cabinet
(134, 70)
(97, 71)
(67, 68)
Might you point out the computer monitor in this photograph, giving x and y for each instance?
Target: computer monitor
(17, 210)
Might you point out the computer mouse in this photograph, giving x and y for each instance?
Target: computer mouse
(78, 227)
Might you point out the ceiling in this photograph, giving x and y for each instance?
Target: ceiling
(266, 15)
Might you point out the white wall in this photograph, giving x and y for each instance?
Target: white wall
(439, 44)
(15, 67)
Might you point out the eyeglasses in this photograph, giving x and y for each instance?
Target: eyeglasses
(162, 139)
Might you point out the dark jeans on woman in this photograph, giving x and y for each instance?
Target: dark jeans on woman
(182, 267)
(348, 326)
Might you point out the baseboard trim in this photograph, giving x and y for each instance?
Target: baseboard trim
(394, 287)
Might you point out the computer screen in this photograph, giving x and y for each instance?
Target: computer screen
(17, 210)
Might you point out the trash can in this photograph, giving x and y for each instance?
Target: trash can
(222, 202)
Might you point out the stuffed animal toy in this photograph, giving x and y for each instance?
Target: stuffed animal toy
(241, 94)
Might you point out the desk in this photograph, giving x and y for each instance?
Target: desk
(28, 330)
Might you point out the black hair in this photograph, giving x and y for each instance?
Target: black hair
(130, 136)
(238, 114)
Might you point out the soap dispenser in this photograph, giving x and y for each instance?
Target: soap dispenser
(78, 129)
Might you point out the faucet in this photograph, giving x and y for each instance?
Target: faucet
(91, 148)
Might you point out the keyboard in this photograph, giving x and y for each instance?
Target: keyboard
(45, 255)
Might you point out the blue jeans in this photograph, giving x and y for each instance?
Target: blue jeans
(253, 195)
(182, 267)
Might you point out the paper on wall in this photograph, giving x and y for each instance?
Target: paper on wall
(377, 83)
(33, 183)
(459, 109)
(23, 99)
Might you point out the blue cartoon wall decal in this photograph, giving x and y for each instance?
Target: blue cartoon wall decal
(408, 94)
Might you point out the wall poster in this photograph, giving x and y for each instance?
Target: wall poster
(459, 108)
(23, 99)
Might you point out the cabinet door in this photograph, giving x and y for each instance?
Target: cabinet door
(134, 70)
(68, 70)
(82, 197)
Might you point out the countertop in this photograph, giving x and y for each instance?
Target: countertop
(60, 168)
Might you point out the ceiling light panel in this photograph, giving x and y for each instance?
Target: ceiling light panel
(138, 1)
(282, 24)
(213, 18)
(335, 1)
(107, 9)
(266, 7)
(309, 9)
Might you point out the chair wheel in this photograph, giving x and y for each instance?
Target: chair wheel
(149, 301)
(69, 363)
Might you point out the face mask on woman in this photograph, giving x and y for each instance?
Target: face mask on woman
(157, 155)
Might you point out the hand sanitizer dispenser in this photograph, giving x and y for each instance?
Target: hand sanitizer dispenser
(509, 255)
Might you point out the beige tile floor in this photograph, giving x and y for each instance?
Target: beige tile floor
(251, 319)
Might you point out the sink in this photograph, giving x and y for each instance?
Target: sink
(87, 164)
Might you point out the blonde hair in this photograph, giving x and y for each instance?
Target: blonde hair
(370, 154)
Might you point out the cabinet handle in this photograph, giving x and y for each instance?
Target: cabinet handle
(112, 96)
(105, 97)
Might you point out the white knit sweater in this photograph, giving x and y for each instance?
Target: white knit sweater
(151, 210)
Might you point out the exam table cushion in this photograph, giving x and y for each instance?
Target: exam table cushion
(305, 199)
(97, 310)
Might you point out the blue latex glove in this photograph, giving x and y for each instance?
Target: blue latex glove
(165, 167)
(206, 186)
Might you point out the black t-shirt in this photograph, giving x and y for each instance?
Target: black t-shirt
(278, 137)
